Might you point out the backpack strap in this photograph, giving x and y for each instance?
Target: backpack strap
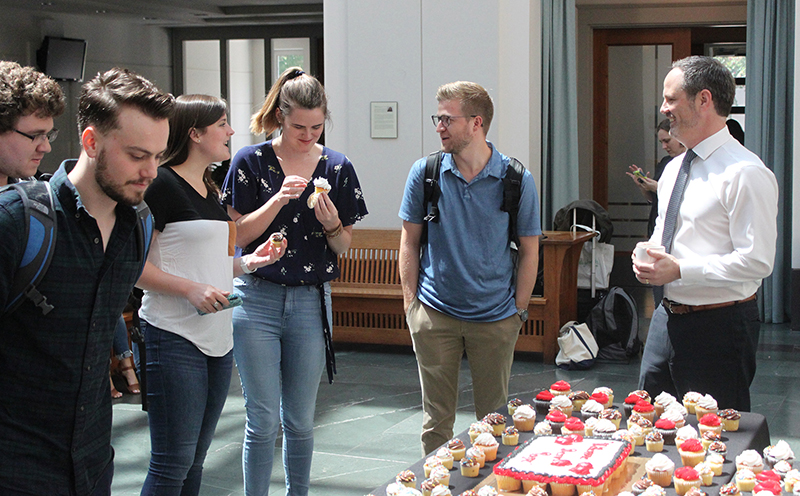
(40, 241)
(431, 192)
(512, 193)
(144, 233)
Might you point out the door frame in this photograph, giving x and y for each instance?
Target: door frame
(681, 41)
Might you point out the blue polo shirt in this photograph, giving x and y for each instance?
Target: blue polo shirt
(466, 268)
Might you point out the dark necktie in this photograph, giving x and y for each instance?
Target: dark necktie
(675, 200)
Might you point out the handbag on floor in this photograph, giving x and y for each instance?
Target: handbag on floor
(577, 347)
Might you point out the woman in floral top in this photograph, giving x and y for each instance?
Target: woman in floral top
(281, 332)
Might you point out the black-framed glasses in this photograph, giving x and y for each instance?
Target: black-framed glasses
(40, 137)
(445, 119)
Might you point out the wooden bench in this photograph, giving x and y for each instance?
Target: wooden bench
(368, 298)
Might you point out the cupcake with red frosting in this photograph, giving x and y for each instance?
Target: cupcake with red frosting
(606, 391)
(629, 403)
(692, 452)
(770, 485)
(601, 398)
(556, 418)
(667, 430)
(710, 422)
(645, 409)
(573, 425)
(542, 402)
(560, 388)
(684, 479)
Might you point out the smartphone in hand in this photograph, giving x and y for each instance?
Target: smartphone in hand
(234, 300)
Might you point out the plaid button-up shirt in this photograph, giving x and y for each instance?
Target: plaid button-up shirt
(55, 408)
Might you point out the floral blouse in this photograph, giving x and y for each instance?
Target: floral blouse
(255, 175)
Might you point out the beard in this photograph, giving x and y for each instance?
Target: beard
(112, 188)
(456, 144)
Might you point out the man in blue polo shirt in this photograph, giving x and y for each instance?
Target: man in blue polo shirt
(461, 294)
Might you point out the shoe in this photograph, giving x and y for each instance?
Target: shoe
(134, 388)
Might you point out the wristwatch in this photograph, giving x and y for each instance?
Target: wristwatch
(523, 314)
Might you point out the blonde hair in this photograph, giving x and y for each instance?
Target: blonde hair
(475, 100)
(294, 89)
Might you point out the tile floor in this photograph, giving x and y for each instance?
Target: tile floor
(368, 421)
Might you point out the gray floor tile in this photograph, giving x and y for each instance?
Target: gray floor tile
(368, 422)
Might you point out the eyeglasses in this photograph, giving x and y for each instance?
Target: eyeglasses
(445, 119)
(40, 137)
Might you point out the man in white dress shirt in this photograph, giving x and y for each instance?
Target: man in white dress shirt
(703, 337)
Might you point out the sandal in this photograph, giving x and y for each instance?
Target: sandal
(134, 388)
(114, 393)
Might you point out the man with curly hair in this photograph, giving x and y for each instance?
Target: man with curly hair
(29, 101)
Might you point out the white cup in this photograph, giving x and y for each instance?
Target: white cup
(640, 252)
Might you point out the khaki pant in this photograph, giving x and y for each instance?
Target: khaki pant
(439, 343)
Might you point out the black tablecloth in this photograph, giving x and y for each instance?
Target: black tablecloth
(753, 433)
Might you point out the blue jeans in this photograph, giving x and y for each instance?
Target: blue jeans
(186, 391)
(120, 345)
(280, 352)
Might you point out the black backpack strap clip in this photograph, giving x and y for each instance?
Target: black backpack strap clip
(40, 241)
(431, 192)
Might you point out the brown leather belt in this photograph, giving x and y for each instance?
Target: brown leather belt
(681, 309)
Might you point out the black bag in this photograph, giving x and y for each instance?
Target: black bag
(614, 322)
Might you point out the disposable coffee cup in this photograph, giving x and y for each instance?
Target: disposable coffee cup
(640, 252)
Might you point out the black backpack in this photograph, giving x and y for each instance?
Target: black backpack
(614, 322)
(40, 235)
(512, 192)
